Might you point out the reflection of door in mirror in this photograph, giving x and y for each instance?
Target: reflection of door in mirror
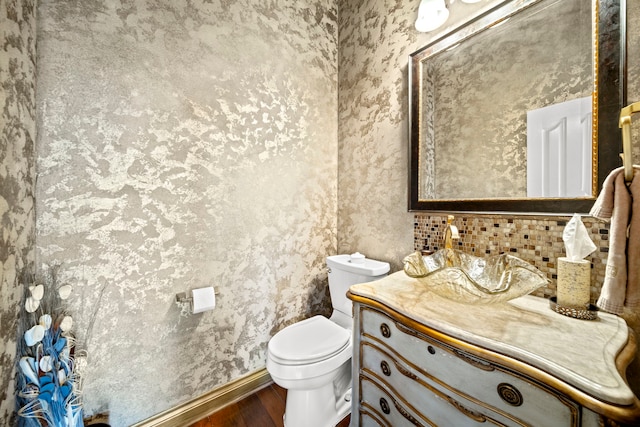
(559, 149)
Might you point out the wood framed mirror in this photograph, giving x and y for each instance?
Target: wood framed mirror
(473, 94)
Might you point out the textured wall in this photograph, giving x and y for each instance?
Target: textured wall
(17, 174)
(181, 145)
(184, 145)
(375, 40)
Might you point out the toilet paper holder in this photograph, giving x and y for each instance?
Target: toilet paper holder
(184, 298)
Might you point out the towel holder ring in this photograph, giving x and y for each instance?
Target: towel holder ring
(625, 125)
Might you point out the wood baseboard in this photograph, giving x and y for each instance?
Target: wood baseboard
(198, 408)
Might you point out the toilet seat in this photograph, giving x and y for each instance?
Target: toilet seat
(309, 341)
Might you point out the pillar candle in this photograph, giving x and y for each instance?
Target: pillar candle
(574, 283)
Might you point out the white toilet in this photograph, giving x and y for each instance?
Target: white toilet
(312, 358)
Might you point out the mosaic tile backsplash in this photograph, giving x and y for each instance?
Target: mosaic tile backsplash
(537, 240)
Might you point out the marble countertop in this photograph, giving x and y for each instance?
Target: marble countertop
(580, 352)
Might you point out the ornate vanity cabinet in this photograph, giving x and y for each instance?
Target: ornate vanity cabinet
(422, 360)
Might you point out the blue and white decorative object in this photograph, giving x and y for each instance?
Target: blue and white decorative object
(48, 389)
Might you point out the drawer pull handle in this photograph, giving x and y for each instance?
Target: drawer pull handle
(476, 416)
(478, 363)
(404, 371)
(431, 350)
(385, 330)
(407, 330)
(384, 406)
(405, 414)
(385, 368)
(510, 394)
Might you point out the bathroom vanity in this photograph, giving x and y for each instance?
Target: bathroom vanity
(423, 360)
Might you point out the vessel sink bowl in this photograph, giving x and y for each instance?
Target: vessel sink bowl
(469, 279)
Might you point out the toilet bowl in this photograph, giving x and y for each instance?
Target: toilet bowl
(312, 358)
(306, 358)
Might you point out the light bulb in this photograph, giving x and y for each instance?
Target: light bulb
(431, 15)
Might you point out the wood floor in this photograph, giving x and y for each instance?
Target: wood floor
(261, 409)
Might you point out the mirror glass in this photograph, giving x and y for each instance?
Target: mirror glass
(505, 109)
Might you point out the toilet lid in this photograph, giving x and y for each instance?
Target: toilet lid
(309, 340)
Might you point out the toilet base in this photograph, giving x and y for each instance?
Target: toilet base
(316, 408)
(325, 405)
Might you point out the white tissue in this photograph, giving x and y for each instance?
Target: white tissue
(203, 299)
(577, 243)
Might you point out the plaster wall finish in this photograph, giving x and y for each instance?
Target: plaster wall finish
(183, 145)
(375, 40)
(17, 174)
(188, 145)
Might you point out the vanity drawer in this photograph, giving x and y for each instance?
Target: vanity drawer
(431, 400)
(468, 376)
(371, 420)
(386, 409)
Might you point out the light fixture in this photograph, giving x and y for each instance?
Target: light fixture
(470, 1)
(431, 15)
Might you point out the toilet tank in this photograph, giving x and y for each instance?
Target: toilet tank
(347, 270)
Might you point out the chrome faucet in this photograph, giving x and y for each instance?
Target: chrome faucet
(450, 233)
